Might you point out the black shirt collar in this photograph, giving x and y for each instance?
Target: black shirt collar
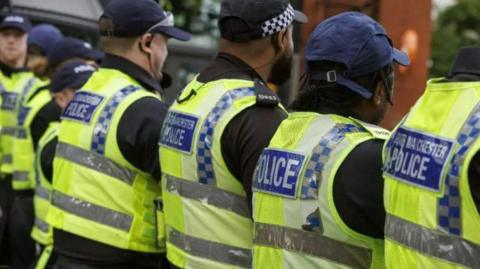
(134, 71)
(8, 71)
(462, 78)
(227, 66)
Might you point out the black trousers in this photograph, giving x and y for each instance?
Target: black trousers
(20, 226)
(6, 199)
(66, 262)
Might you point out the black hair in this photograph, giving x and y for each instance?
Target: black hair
(106, 26)
(332, 98)
(34, 49)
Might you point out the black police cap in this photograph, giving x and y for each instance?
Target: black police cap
(245, 20)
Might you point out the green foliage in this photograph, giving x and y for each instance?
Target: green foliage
(457, 26)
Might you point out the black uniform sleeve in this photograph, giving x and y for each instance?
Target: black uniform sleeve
(46, 159)
(358, 189)
(245, 137)
(138, 134)
(474, 179)
(47, 114)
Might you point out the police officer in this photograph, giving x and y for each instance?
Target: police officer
(35, 111)
(432, 192)
(106, 168)
(215, 131)
(68, 79)
(42, 41)
(70, 49)
(318, 186)
(14, 78)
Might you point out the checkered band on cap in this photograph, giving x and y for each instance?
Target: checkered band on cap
(278, 23)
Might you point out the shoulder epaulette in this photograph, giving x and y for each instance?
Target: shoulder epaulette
(265, 96)
(374, 130)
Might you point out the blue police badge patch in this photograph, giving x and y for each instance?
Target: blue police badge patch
(417, 158)
(178, 131)
(278, 172)
(82, 107)
(9, 100)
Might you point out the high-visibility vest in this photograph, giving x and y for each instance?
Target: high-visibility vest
(207, 216)
(23, 151)
(41, 231)
(3, 81)
(432, 221)
(15, 89)
(97, 194)
(295, 219)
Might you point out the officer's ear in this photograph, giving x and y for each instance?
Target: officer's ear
(145, 43)
(280, 41)
(380, 94)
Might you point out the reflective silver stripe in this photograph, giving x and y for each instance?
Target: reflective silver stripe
(10, 131)
(41, 225)
(211, 250)
(21, 133)
(20, 175)
(432, 243)
(92, 212)
(42, 192)
(312, 243)
(94, 161)
(209, 194)
(7, 158)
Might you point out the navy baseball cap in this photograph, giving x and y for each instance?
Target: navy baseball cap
(16, 21)
(44, 36)
(72, 76)
(358, 42)
(70, 47)
(135, 18)
(245, 20)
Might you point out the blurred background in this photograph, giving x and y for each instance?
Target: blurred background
(431, 31)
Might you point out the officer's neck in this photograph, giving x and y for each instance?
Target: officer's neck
(358, 113)
(13, 63)
(260, 57)
(136, 58)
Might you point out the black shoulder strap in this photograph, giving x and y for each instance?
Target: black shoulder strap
(265, 96)
(37, 91)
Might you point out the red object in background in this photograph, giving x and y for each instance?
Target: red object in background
(408, 23)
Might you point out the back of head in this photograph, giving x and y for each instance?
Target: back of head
(139, 31)
(69, 48)
(248, 24)
(247, 20)
(110, 43)
(345, 58)
(326, 97)
(466, 66)
(68, 79)
(125, 21)
(71, 76)
(41, 40)
(44, 36)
